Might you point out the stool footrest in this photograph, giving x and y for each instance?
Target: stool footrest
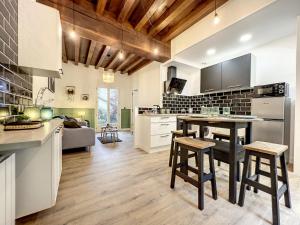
(251, 182)
(206, 177)
(267, 174)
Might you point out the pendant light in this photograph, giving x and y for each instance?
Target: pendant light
(72, 32)
(121, 53)
(216, 18)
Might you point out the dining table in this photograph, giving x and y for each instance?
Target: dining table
(233, 123)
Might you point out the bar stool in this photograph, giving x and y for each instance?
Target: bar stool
(271, 152)
(199, 148)
(176, 134)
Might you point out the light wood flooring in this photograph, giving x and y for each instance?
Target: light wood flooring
(117, 184)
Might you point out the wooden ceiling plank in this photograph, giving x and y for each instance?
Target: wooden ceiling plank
(127, 9)
(122, 64)
(77, 50)
(199, 13)
(91, 52)
(102, 57)
(110, 34)
(149, 13)
(101, 7)
(139, 66)
(131, 66)
(111, 64)
(172, 13)
(64, 51)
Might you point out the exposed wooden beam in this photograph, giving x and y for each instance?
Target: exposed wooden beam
(175, 11)
(90, 52)
(127, 9)
(113, 61)
(125, 61)
(197, 14)
(111, 34)
(64, 52)
(77, 50)
(155, 5)
(134, 64)
(139, 66)
(102, 57)
(101, 6)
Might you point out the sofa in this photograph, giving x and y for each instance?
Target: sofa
(78, 137)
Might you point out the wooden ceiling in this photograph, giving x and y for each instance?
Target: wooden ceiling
(104, 28)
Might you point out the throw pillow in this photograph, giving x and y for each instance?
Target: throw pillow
(71, 124)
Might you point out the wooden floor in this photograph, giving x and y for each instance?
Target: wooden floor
(117, 184)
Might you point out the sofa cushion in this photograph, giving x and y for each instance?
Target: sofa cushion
(71, 124)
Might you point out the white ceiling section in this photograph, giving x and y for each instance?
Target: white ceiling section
(275, 21)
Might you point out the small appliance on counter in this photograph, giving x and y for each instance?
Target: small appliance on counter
(271, 90)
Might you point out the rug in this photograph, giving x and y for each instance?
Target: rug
(108, 140)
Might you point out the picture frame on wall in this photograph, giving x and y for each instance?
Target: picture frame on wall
(51, 84)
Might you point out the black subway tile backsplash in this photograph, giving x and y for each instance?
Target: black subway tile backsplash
(238, 100)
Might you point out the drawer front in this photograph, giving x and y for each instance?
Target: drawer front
(161, 140)
(162, 128)
(163, 119)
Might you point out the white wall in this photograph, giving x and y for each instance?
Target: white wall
(297, 109)
(86, 81)
(231, 12)
(148, 82)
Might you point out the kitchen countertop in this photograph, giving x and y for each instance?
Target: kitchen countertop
(214, 119)
(170, 114)
(22, 139)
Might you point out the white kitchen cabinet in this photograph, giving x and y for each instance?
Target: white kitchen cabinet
(38, 172)
(153, 133)
(7, 191)
(39, 36)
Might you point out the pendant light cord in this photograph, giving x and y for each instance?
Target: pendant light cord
(215, 7)
(73, 15)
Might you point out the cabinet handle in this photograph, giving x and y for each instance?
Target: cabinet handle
(209, 90)
(234, 86)
(164, 136)
(164, 118)
(164, 124)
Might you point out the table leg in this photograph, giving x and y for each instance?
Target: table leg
(201, 131)
(233, 165)
(184, 153)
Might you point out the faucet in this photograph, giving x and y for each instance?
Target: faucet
(157, 108)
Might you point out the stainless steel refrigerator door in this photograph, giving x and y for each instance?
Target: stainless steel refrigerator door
(268, 108)
(268, 131)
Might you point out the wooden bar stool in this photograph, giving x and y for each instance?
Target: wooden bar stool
(271, 152)
(176, 134)
(199, 148)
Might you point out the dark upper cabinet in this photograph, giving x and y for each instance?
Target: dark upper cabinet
(211, 78)
(236, 72)
(230, 74)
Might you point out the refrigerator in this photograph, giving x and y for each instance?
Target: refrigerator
(276, 113)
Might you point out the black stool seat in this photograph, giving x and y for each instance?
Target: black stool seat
(270, 152)
(200, 148)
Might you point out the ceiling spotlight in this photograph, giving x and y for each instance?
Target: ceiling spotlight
(121, 55)
(155, 51)
(216, 19)
(245, 37)
(72, 34)
(211, 51)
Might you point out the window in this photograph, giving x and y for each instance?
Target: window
(108, 100)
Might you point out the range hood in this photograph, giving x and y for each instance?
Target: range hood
(174, 85)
